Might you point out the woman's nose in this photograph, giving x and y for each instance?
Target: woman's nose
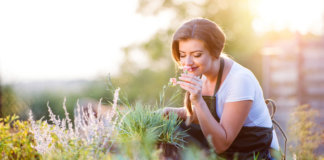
(188, 61)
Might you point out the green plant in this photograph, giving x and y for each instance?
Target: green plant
(146, 128)
(166, 100)
(15, 139)
(122, 96)
(11, 103)
(305, 134)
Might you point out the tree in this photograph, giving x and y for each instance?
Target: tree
(0, 100)
(235, 17)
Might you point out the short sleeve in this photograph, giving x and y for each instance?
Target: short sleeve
(241, 88)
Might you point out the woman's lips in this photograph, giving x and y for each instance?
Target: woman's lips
(193, 69)
(189, 69)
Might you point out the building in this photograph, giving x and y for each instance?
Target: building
(293, 74)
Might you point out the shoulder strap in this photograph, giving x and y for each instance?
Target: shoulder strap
(220, 74)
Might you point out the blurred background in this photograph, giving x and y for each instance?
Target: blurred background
(67, 48)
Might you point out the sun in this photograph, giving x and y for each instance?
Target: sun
(303, 16)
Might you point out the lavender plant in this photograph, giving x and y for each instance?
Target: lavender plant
(91, 134)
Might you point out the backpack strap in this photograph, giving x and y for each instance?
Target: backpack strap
(272, 111)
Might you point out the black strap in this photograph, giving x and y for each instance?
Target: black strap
(211, 100)
(220, 74)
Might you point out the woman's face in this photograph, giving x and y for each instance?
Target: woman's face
(196, 56)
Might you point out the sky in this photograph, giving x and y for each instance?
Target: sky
(304, 16)
(68, 39)
(80, 39)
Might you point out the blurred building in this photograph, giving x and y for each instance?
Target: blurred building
(293, 74)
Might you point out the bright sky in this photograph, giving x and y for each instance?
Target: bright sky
(296, 15)
(79, 39)
(68, 39)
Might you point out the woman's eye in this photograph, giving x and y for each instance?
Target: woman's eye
(182, 55)
(197, 55)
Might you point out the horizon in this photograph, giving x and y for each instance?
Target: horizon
(71, 40)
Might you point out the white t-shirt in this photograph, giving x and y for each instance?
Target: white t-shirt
(241, 84)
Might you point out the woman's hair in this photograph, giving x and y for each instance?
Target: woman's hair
(201, 29)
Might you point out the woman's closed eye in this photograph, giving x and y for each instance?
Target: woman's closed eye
(197, 55)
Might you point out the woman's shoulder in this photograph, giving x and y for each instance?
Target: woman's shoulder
(239, 77)
(239, 71)
(235, 66)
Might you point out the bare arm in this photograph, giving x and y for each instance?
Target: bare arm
(233, 116)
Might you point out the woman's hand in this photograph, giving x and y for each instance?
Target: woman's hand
(167, 110)
(181, 112)
(192, 84)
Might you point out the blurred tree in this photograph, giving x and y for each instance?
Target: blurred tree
(305, 135)
(235, 17)
(11, 103)
(93, 90)
(0, 99)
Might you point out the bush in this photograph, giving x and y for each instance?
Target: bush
(144, 128)
(15, 139)
(304, 134)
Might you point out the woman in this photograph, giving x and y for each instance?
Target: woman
(224, 98)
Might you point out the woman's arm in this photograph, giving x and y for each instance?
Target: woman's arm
(233, 116)
(224, 133)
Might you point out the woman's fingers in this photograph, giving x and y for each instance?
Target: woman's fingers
(166, 111)
(189, 87)
(191, 78)
(192, 84)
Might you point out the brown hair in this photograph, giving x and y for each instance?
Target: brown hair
(202, 29)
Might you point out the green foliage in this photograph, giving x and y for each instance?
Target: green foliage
(145, 85)
(193, 153)
(36, 101)
(304, 134)
(144, 128)
(11, 103)
(15, 139)
(140, 131)
(235, 17)
(80, 151)
(123, 97)
(142, 121)
(169, 96)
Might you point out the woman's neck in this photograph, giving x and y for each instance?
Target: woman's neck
(212, 74)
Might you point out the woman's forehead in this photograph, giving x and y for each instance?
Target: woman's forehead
(189, 44)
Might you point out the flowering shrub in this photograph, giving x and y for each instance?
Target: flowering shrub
(305, 135)
(114, 134)
(141, 132)
(15, 139)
